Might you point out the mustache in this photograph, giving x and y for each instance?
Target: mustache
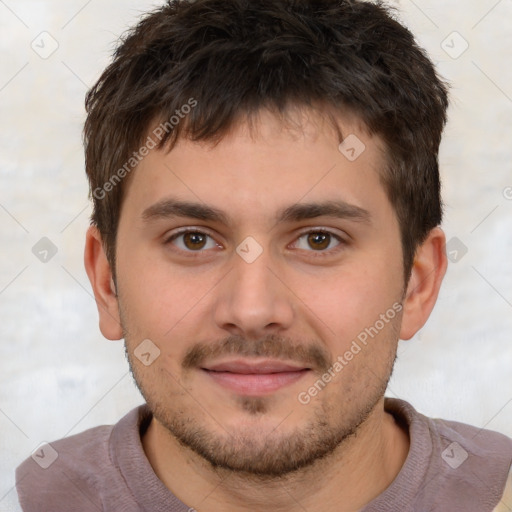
(273, 346)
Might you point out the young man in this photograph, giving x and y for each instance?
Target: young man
(266, 227)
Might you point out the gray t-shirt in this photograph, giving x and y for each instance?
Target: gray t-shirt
(450, 467)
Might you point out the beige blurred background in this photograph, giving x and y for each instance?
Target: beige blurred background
(58, 376)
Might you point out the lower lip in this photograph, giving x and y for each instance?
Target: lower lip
(255, 384)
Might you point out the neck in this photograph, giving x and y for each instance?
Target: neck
(361, 468)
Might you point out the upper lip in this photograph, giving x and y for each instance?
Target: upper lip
(248, 366)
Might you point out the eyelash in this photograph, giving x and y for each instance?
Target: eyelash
(317, 254)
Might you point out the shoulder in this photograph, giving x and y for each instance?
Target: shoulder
(475, 461)
(450, 436)
(470, 465)
(452, 464)
(462, 441)
(64, 471)
(70, 473)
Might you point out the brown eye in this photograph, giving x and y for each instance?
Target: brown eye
(319, 240)
(194, 240)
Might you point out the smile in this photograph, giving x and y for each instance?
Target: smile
(254, 378)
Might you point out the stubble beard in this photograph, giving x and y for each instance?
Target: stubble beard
(257, 453)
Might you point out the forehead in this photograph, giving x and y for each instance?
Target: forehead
(265, 163)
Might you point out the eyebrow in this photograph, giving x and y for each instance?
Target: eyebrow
(175, 208)
(338, 209)
(169, 208)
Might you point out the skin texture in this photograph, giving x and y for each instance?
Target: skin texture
(299, 301)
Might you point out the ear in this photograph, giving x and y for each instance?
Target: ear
(427, 274)
(100, 276)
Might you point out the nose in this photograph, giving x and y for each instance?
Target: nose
(252, 301)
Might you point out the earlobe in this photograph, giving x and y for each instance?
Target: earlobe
(100, 275)
(427, 274)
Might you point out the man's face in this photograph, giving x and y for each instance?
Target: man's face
(293, 252)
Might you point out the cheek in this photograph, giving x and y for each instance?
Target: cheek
(351, 298)
(154, 294)
(162, 304)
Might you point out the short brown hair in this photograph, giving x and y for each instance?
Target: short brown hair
(231, 58)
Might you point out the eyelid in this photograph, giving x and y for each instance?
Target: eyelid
(188, 229)
(319, 229)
